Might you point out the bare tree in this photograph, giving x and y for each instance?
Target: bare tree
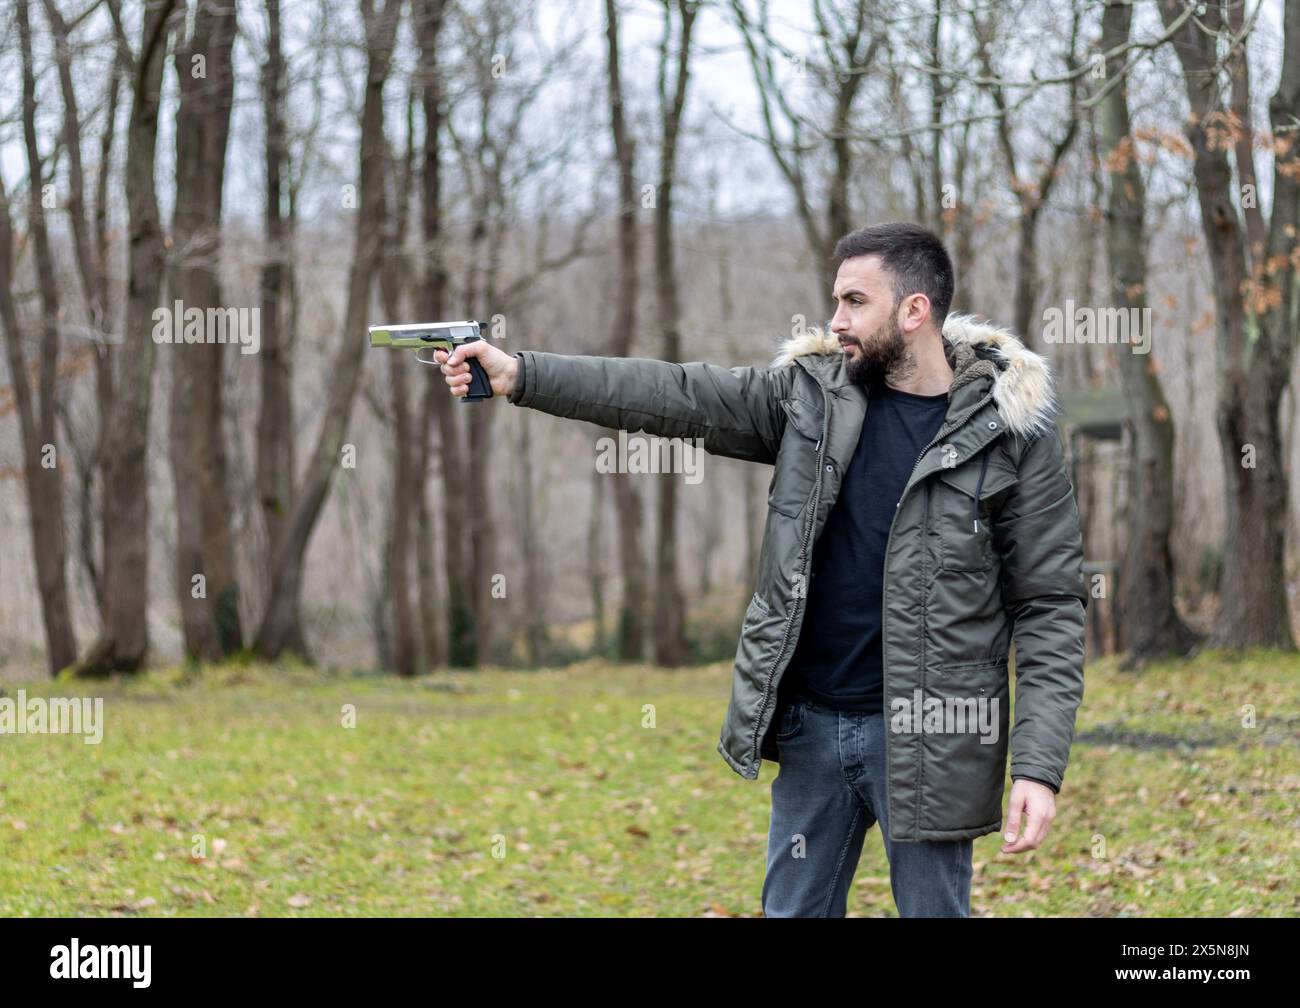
(43, 475)
(124, 636)
(631, 633)
(1147, 580)
(207, 591)
(90, 246)
(850, 38)
(393, 283)
(1254, 268)
(495, 162)
(1031, 193)
(436, 408)
(670, 644)
(276, 458)
(276, 631)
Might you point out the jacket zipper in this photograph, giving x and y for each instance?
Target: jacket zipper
(807, 532)
(979, 485)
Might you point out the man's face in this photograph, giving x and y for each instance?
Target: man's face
(866, 320)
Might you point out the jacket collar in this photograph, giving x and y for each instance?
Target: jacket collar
(979, 353)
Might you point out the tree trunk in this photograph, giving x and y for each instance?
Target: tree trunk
(627, 500)
(596, 564)
(670, 644)
(275, 633)
(455, 616)
(1146, 583)
(91, 256)
(431, 638)
(42, 473)
(392, 281)
(482, 536)
(531, 549)
(104, 384)
(963, 248)
(124, 637)
(207, 589)
(1255, 305)
(398, 589)
(1026, 290)
(276, 460)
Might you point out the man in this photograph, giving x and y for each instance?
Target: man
(920, 519)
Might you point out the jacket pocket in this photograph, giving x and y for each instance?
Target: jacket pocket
(795, 470)
(759, 637)
(964, 725)
(963, 504)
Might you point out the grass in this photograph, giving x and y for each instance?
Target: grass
(240, 791)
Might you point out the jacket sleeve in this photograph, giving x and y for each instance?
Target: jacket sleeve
(1038, 537)
(735, 411)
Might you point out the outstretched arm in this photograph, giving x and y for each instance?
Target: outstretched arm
(735, 411)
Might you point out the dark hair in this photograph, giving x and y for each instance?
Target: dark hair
(912, 255)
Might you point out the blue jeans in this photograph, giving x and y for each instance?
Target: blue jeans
(828, 791)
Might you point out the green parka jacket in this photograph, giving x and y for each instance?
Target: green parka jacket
(985, 549)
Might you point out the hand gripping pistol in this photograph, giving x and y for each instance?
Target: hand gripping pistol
(427, 337)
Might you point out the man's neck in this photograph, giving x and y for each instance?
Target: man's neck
(926, 370)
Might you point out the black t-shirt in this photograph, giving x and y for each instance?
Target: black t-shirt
(838, 659)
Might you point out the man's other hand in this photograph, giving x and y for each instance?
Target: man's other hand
(1035, 805)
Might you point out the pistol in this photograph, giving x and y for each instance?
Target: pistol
(428, 337)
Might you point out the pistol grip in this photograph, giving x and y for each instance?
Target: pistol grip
(479, 386)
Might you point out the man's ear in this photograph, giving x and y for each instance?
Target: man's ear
(915, 309)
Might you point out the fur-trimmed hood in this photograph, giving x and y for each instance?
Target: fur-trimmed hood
(1023, 387)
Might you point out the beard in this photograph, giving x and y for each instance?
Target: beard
(883, 353)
